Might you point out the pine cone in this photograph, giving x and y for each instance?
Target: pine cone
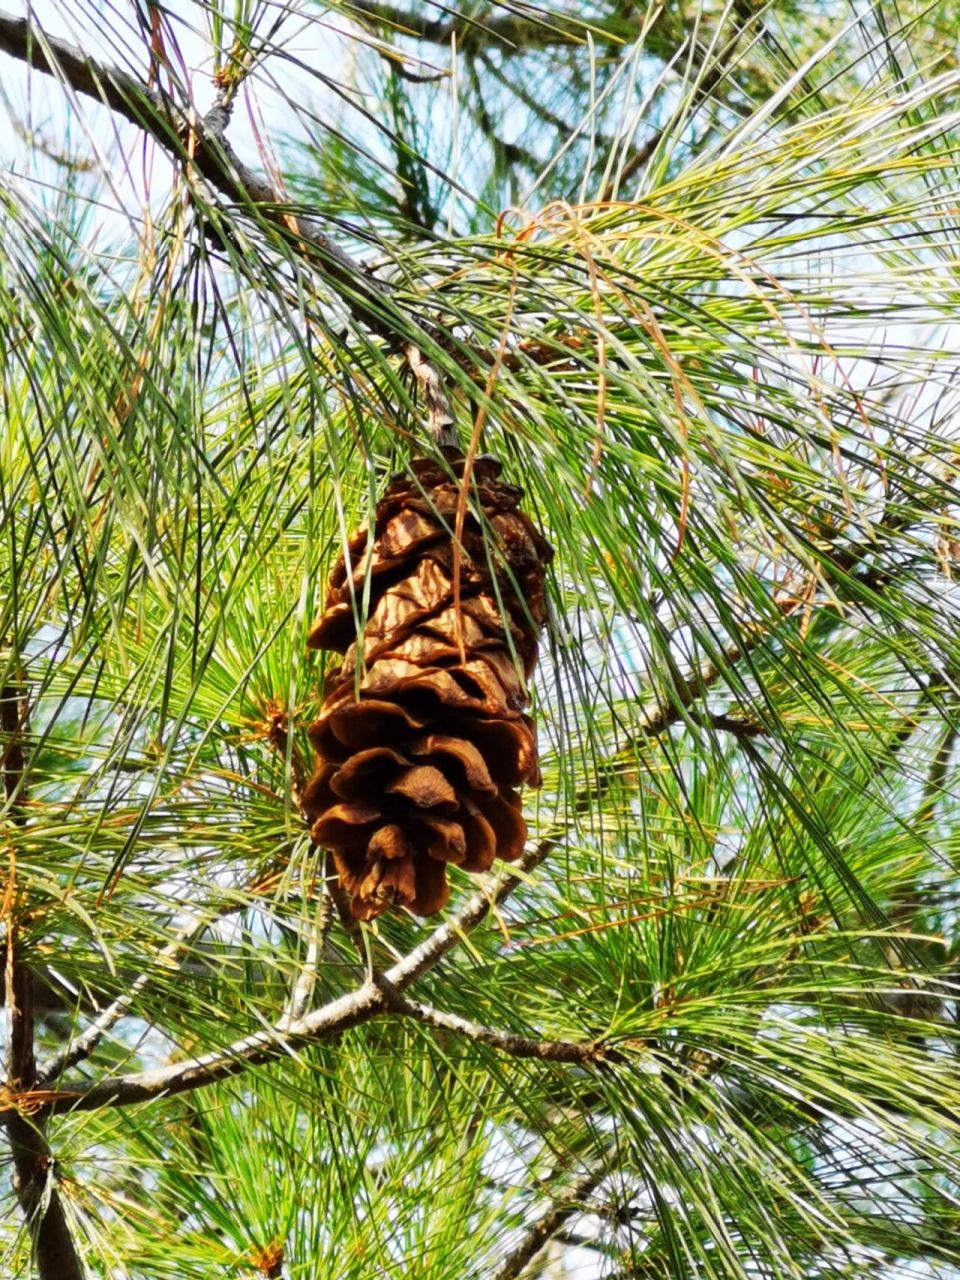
(422, 739)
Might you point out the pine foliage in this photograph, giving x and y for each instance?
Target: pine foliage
(689, 272)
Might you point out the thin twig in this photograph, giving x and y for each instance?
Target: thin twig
(307, 977)
(543, 1229)
(330, 1021)
(83, 1045)
(590, 1053)
(86, 1043)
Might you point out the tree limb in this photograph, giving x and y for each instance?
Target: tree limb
(201, 145)
(34, 1169)
(370, 999)
(376, 994)
(373, 999)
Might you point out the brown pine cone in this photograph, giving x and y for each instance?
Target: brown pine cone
(422, 740)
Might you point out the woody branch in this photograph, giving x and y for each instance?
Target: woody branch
(34, 1169)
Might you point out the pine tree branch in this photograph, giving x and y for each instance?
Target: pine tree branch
(375, 996)
(373, 999)
(34, 1169)
(201, 146)
(328, 1022)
